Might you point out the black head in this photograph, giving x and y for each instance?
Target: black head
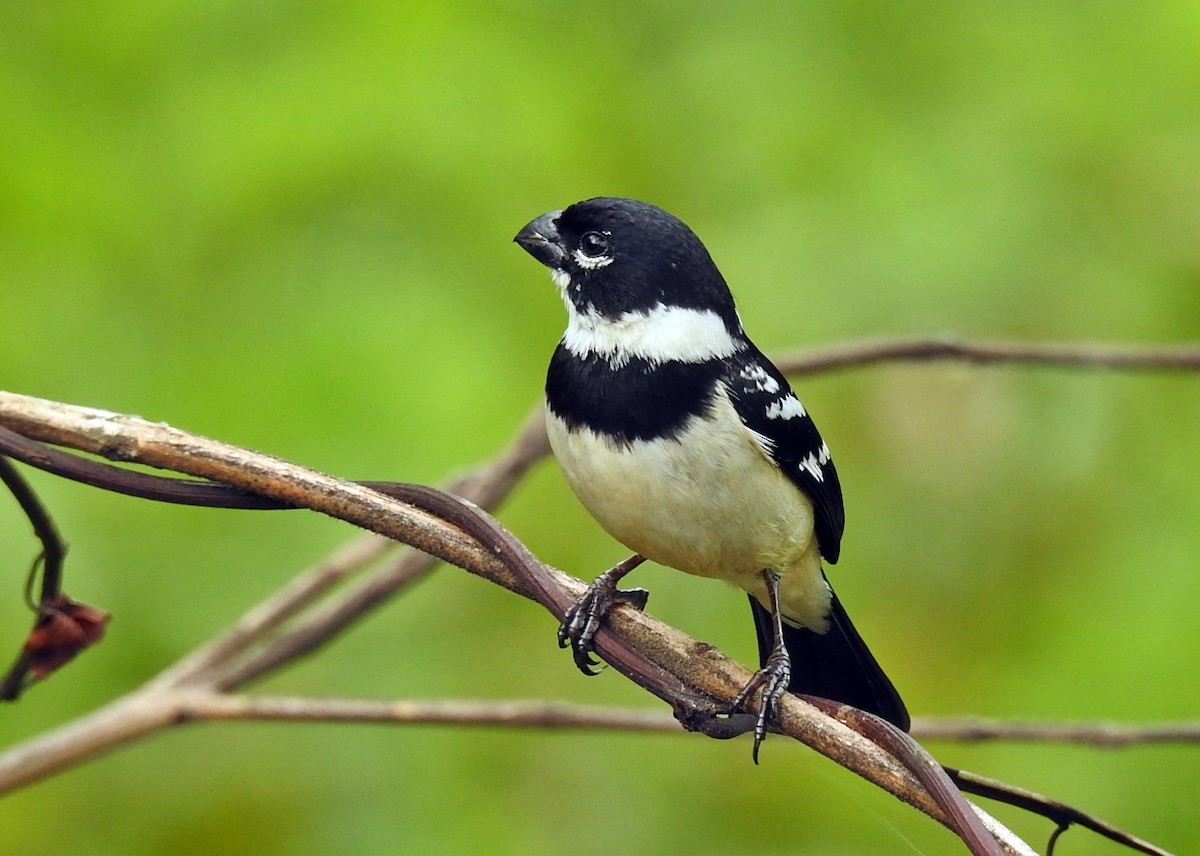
(613, 256)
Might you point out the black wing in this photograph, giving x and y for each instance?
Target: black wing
(768, 407)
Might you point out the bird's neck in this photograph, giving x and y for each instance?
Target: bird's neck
(656, 335)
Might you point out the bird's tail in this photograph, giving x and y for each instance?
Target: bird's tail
(836, 664)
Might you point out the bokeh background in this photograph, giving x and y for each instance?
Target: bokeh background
(287, 225)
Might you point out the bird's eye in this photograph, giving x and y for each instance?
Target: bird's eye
(593, 244)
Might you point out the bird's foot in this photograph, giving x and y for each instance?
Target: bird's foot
(768, 684)
(583, 618)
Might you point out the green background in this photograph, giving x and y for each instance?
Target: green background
(287, 225)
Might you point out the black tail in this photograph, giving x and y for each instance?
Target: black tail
(835, 664)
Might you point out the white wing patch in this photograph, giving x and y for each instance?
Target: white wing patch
(762, 381)
(788, 407)
(814, 462)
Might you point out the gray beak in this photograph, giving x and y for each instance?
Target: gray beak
(541, 240)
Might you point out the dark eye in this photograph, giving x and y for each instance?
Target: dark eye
(593, 244)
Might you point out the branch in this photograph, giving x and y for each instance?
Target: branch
(62, 627)
(1106, 735)
(868, 352)
(675, 667)
(541, 715)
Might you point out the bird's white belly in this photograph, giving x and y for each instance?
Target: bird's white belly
(708, 502)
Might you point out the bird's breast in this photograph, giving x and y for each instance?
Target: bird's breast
(706, 500)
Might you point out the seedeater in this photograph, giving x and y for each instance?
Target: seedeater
(689, 447)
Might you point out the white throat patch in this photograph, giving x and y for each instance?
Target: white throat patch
(659, 335)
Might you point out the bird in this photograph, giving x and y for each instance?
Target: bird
(689, 447)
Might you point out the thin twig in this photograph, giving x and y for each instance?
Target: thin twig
(1107, 735)
(536, 713)
(1063, 815)
(49, 561)
(54, 548)
(867, 352)
(505, 714)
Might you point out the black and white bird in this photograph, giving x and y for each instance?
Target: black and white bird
(689, 447)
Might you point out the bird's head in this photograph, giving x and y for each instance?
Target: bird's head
(620, 260)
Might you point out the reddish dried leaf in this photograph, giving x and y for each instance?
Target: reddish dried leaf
(64, 628)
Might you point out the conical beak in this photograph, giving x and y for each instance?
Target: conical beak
(541, 240)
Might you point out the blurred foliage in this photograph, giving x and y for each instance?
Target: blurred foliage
(287, 225)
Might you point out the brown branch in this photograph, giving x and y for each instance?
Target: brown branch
(534, 713)
(867, 352)
(1063, 815)
(503, 714)
(670, 663)
(1106, 735)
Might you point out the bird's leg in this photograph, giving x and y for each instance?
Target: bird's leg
(771, 681)
(584, 616)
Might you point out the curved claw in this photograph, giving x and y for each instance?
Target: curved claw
(769, 683)
(772, 680)
(583, 618)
